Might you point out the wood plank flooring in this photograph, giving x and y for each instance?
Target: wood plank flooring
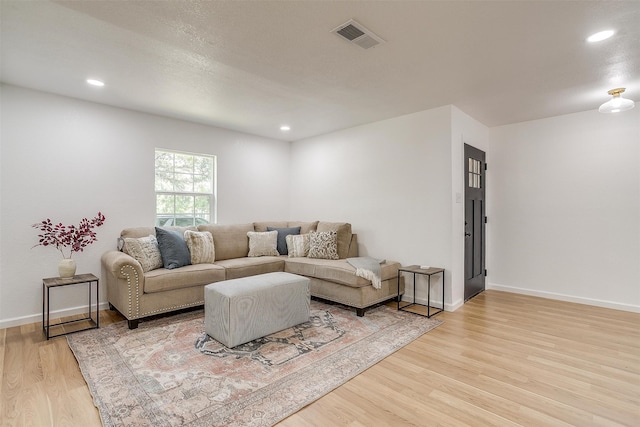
(502, 359)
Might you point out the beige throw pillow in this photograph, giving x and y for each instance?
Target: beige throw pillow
(263, 243)
(323, 244)
(145, 250)
(200, 244)
(298, 245)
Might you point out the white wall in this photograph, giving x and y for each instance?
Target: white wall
(563, 193)
(565, 208)
(390, 179)
(66, 159)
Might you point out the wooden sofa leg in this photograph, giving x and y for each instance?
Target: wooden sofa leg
(360, 312)
(133, 324)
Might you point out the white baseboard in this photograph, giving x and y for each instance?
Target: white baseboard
(437, 303)
(454, 306)
(564, 297)
(37, 318)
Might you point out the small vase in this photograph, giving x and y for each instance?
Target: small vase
(67, 268)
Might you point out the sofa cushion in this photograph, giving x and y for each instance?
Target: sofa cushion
(343, 229)
(200, 244)
(282, 237)
(230, 241)
(136, 232)
(144, 250)
(173, 248)
(242, 267)
(323, 245)
(298, 245)
(263, 225)
(191, 275)
(338, 271)
(305, 227)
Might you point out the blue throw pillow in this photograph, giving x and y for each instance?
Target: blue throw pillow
(173, 249)
(282, 237)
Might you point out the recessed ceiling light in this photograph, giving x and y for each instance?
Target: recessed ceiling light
(602, 35)
(285, 128)
(95, 82)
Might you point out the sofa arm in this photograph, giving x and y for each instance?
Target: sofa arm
(125, 282)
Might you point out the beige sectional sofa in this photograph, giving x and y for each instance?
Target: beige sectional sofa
(138, 294)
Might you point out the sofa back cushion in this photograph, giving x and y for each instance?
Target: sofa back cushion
(343, 229)
(229, 241)
(137, 232)
(262, 226)
(353, 247)
(305, 227)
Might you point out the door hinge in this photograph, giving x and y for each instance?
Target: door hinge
(485, 272)
(485, 166)
(486, 219)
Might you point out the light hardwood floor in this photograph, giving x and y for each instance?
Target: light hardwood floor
(502, 359)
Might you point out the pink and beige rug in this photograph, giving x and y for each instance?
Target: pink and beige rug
(168, 372)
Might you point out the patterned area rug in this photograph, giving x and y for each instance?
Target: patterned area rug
(168, 372)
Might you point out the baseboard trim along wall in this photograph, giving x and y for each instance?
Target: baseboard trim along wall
(37, 318)
(563, 297)
(436, 303)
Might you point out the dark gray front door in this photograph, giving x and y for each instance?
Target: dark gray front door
(474, 220)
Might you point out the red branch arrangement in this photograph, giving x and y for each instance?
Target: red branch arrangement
(63, 236)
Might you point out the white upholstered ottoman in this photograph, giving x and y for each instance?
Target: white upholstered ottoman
(240, 310)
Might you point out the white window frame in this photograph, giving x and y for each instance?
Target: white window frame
(212, 194)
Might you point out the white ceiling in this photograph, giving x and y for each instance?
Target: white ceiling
(254, 65)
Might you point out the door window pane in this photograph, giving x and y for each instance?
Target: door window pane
(475, 173)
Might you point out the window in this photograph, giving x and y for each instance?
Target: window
(185, 188)
(475, 173)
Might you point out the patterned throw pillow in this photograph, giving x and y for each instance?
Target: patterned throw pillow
(200, 244)
(263, 243)
(298, 245)
(144, 250)
(323, 244)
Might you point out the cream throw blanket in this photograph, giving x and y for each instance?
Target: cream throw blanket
(368, 268)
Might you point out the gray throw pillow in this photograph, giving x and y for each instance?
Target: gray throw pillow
(282, 237)
(173, 249)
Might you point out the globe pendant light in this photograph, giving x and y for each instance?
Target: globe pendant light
(616, 104)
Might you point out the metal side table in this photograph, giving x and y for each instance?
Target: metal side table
(428, 272)
(56, 282)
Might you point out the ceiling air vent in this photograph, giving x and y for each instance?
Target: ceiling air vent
(356, 33)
